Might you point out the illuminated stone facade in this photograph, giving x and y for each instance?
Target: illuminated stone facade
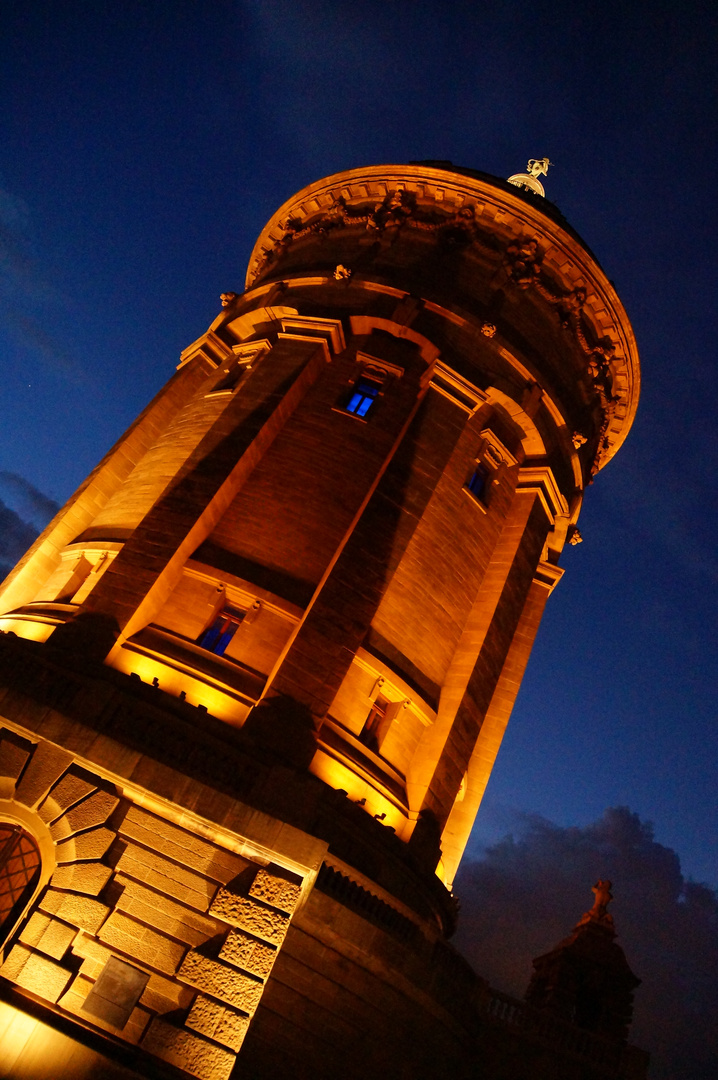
(258, 669)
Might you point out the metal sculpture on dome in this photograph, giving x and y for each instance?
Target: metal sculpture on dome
(529, 180)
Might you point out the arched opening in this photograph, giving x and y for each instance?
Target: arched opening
(20, 866)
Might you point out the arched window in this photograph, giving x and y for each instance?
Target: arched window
(19, 873)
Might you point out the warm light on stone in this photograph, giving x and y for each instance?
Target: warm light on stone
(259, 668)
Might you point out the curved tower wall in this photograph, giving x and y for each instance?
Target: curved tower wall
(255, 674)
(391, 569)
(370, 576)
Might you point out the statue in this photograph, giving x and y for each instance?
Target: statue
(529, 180)
(538, 166)
(602, 891)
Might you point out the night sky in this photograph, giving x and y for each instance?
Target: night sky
(144, 147)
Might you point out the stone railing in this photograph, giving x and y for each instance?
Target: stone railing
(604, 1054)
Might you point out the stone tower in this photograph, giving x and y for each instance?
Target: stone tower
(258, 669)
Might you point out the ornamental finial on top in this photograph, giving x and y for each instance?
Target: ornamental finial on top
(539, 166)
(529, 181)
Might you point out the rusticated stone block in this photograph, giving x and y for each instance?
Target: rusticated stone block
(90, 845)
(145, 945)
(80, 911)
(12, 756)
(188, 1051)
(74, 1000)
(218, 1022)
(221, 981)
(249, 915)
(12, 762)
(91, 812)
(36, 973)
(164, 914)
(88, 878)
(175, 997)
(277, 887)
(166, 877)
(15, 962)
(91, 950)
(47, 765)
(65, 794)
(160, 994)
(181, 845)
(246, 952)
(48, 935)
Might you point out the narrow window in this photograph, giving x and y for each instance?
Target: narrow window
(363, 396)
(478, 482)
(219, 633)
(19, 871)
(372, 725)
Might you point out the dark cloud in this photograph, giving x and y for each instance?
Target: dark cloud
(16, 536)
(29, 504)
(24, 291)
(530, 889)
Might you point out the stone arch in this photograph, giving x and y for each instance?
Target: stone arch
(24, 838)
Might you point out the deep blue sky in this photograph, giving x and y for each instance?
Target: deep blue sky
(145, 145)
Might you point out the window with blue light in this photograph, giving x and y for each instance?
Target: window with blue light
(363, 396)
(478, 482)
(219, 633)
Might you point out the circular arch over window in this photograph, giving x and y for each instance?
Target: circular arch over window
(20, 867)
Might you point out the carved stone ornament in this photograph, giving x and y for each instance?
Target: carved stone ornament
(524, 262)
(228, 298)
(494, 450)
(574, 536)
(578, 440)
(342, 273)
(390, 202)
(488, 329)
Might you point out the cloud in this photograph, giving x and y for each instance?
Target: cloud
(24, 513)
(29, 504)
(16, 536)
(530, 889)
(25, 294)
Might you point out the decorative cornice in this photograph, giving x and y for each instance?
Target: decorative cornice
(542, 481)
(540, 254)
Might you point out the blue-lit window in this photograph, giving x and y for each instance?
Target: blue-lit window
(218, 634)
(478, 482)
(363, 396)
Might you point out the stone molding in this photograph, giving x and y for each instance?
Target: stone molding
(540, 254)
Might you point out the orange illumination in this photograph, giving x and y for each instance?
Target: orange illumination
(31, 629)
(197, 692)
(18, 1030)
(342, 778)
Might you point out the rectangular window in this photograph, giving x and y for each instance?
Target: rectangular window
(374, 723)
(363, 396)
(219, 633)
(478, 482)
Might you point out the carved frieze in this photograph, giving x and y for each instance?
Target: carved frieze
(463, 211)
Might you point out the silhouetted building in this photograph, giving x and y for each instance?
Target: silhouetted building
(258, 669)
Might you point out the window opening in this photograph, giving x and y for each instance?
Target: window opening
(230, 378)
(370, 732)
(19, 871)
(219, 633)
(478, 482)
(363, 396)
